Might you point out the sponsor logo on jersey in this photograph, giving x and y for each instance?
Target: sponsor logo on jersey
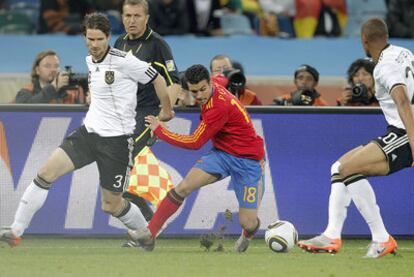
(109, 77)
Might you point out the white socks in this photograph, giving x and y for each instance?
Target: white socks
(32, 200)
(339, 200)
(364, 198)
(133, 219)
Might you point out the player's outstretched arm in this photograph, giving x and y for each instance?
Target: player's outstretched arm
(160, 86)
(400, 98)
(193, 141)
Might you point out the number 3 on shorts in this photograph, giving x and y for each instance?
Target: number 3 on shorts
(249, 194)
(118, 181)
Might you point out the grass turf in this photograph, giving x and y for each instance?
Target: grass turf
(41, 256)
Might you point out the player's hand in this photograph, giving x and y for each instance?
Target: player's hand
(166, 115)
(151, 122)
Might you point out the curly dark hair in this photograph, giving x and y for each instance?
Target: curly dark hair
(367, 64)
(197, 73)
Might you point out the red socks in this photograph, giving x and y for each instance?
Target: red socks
(250, 234)
(169, 205)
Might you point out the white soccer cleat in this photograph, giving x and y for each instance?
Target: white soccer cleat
(143, 237)
(321, 244)
(380, 249)
(242, 243)
(7, 236)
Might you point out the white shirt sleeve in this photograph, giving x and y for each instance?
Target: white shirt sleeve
(390, 74)
(138, 70)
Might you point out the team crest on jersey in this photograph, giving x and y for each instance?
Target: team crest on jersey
(109, 77)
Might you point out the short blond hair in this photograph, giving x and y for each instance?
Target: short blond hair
(142, 3)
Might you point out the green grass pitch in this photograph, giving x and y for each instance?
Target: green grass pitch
(45, 256)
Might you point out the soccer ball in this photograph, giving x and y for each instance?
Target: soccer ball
(281, 236)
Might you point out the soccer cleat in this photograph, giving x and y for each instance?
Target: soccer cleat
(380, 249)
(321, 244)
(130, 243)
(143, 238)
(7, 235)
(242, 243)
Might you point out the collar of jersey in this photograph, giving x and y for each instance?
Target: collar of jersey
(382, 51)
(104, 56)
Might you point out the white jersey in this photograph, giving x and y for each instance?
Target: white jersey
(113, 84)
(395, 67)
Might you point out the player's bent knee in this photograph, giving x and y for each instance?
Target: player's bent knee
(335, 168)
(345, 171)
(47, 175)
(110, 208)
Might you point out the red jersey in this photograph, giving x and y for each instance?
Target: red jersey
(226, 122)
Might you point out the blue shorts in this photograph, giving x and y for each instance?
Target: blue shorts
(246, 175)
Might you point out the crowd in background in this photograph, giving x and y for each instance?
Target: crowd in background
(277, 18)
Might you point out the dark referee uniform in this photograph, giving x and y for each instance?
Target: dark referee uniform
(151, 48)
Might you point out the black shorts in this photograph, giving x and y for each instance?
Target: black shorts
(140, 128)
(396, 148)
(113, 156)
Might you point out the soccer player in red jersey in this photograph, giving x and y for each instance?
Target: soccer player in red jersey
(237, 152)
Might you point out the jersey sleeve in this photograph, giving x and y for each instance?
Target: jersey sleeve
(138, 70)
(390, 75)
(165, 63)
(212, 121)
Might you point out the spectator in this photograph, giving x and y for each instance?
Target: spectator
(224, 73)
(360, 11)
(204, 17)
(400, 18)
(49, 85)
(360, 91)
(251, 9)
(111, 5)
(277, 19)
(319, 18)
(62, 16)
(169, 17)
(306, 80)
(112, 8)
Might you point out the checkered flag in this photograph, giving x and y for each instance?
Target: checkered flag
(148, 179)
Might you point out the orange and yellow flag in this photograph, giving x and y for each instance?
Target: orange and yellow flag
(148, 179)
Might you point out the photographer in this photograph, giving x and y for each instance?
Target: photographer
(49, 85)
(306, 80)
(360, 91)
(224, 73)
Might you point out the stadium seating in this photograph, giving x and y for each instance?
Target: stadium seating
(27, 7)
(12, 22)
(361, 10)
(235, 24)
